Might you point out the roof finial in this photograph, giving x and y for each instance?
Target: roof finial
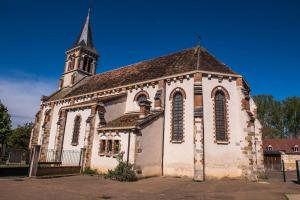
(199, 41)
(89, 12)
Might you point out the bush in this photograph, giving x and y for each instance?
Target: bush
(89, 171)
(122, 172)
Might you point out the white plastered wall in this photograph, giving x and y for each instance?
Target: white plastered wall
(179, 157)
(103, 163)
(149, 149)
(69, 129)
(223, 160)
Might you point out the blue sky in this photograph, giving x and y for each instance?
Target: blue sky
(258, 39)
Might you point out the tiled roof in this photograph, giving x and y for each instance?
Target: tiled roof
(285, 145)
(176, 63)
(130, 121)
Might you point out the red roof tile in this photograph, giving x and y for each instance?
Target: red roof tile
(285, 145)
(176, 63)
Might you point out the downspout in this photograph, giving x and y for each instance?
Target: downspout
(163, 136)
(128, 148)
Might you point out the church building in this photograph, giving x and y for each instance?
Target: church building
(181, 114)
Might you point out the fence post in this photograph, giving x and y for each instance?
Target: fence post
(283, 171)
(34, 159)
(81, 160)
(298, 171)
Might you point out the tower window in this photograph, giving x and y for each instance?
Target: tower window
(76, 130)
(85, 63)
(71, 63)
(89, 67)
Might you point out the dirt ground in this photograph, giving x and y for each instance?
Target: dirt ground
(94, 187)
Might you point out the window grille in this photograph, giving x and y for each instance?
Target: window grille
(177, 117)
(220, 116)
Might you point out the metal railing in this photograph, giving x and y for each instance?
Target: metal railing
(65, 157)
(15, 157)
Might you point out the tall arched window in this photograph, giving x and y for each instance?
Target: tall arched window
(177, 117)
(89, 67)
(76, 130)
(220, 116)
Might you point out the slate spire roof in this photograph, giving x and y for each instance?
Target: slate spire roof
(85, 35)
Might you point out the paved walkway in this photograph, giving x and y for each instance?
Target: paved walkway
(93, 187)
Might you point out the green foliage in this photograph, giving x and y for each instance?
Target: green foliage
(279, 118)
(89, 171)
(122, 172)
(5, 123)
(19, 138)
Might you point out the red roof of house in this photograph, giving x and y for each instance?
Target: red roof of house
(285, 145)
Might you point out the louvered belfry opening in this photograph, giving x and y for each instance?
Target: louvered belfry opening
(177, 117)
(220, 116)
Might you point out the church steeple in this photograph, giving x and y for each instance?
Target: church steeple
(81, 57)
(85, 36)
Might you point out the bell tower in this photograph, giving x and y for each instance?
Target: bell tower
(81, 58)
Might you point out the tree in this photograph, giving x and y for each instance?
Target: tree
(5, 123)
(20, 137)
(269, 113)
(291, 108)
(278, 118)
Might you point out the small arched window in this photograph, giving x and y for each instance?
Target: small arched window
(141, 97)
(220, 116)
(177, 117)
(269, 148)
(76, 130)
(296, 148)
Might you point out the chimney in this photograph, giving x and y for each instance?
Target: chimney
(145, 106)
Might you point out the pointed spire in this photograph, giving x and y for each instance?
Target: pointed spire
(85, 36)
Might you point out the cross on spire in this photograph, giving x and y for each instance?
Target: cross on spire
(85, 36)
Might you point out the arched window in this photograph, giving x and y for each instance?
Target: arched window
(76, 130)
(141, 97)
(296, 148)
(220, 116)
(85, 63)
(71, 63)
(270, 148)
(89, 65)
(177, 117)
